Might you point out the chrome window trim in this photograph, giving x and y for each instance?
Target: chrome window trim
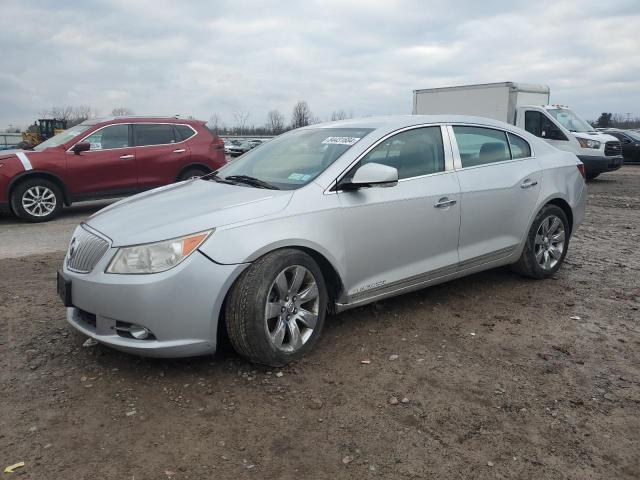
(195, 132)
(448, 165)
(457, 160)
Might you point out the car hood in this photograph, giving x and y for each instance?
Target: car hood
(600, 137)
(184, 208)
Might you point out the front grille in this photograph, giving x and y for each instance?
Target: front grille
(612, 148)
(85, 250)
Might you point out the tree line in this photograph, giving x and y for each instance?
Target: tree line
(616, 120)
(275, 123)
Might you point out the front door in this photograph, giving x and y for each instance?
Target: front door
(398, 236)
(108, 168)
(499, 184)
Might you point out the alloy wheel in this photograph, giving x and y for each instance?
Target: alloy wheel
(292, 308)
(39, 201)
(549, 242)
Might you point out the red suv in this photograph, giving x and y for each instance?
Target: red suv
(105, 158)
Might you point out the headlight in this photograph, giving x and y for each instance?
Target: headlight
(156, 257)
(588, 143)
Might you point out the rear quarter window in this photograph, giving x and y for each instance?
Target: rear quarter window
(519, 146)
(184, 132)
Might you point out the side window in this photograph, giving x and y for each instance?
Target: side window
(519, 147)
(184, 132)
(153, 134)
(413, 153)
(114, 136)
(540, 126)
(481, 146)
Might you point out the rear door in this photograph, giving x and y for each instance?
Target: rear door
(108, 168)
(160, 153)
(499, 183)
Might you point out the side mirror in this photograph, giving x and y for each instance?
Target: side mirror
(370, 175)
(81, 147)
(553, 134)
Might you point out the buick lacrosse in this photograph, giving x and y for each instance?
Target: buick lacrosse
(316, 221)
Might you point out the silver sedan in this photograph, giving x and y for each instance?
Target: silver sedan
(316, 221)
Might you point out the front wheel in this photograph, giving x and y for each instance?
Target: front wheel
(277, 307)
(36, 200)
(546, 245)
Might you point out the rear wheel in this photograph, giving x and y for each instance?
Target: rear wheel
(36, 200)
(547, 244)
(277, 307)
(192, 173)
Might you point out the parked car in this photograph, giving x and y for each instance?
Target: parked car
(230, 143)
(321, 219)
(105, 158)
(239, 149)
(630, 141)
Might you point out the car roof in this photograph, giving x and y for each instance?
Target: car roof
(140, 119)
(400, 121)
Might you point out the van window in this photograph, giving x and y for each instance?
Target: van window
(153, 134)
(519, 146)
(539, 125)
(481, 146)
(413, 153)
(113, 136)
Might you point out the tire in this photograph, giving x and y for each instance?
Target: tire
(534, 262)
(37, 200)
(192, 173)
(258, 327)
(591, 176)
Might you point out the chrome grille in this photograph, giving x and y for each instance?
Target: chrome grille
(612, 148)
(85, 250)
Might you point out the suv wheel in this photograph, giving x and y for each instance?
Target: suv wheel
(36, 200)
(547, 244)
(192, 173)
(276, 310)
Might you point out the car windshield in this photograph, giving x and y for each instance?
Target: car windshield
(570, 120)
(296, 158)
(632, 134)
(62, 137)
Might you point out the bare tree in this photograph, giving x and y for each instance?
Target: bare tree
(215, 123)
(275, 122)
(241, 118)
(301, 115)
(122, 112)
(338, 115)
(72, 115)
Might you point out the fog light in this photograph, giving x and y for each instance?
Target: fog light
(139, 333)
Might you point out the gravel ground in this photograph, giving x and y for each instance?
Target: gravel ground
(491, 376)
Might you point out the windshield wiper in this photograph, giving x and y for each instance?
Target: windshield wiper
(216, 178)
(254, 182)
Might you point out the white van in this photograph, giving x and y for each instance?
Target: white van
(526, 106)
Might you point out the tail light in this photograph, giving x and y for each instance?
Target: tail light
(582, 171)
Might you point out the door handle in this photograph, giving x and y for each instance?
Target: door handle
(528, 184)
(127, 157)
(179, 150)
(444, 202)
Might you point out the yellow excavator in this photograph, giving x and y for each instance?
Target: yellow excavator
(44, 129)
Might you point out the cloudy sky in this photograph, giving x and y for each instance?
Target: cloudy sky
(366, 57)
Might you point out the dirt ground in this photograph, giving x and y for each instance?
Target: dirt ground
(496, 376)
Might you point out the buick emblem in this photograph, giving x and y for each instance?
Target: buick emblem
(72, 248)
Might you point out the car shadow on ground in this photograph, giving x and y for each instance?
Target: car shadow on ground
(81, 209)
(356, 322)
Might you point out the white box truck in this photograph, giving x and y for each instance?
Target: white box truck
(526, 106)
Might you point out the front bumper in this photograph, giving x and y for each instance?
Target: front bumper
(180, 307)
(599, 164)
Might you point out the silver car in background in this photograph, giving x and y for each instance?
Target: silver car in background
(318, 220)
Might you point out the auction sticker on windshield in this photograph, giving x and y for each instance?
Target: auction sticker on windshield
(340, 140)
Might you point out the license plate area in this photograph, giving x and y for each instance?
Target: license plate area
(63, 286)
